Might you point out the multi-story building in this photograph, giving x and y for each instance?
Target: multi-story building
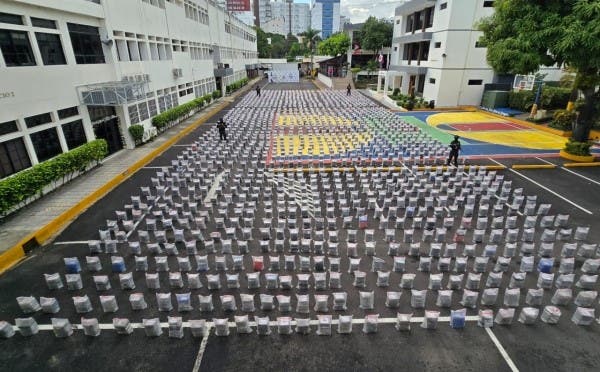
(325, 16)
(279, 14)
(76, 70)
(437, 53)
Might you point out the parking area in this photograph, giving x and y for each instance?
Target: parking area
(243, 227)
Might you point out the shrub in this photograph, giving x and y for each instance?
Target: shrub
(216, 94)
(578, 148)
(396, 92)
(137, 133)
(164, 119)
(563, 120)
(31, 182)
(521, 100)
(554, 98)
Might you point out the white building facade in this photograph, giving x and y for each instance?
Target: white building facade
(277, 17)
(76, 70)
(325, 16)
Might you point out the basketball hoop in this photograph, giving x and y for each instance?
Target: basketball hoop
(523, 82)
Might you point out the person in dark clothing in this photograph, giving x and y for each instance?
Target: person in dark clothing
(221, 126)
(348, 88)
(454, 149)
(258, 90)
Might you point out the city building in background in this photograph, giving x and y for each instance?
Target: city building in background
(74, 71)
(282, 16)
(325, 16)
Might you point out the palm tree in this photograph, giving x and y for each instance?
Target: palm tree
(310, 39)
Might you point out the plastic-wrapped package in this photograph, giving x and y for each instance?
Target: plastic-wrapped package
(565, 281)
(302, 304)
(152, 327)
(137, 301)
(545, 280)
(568, 250)
(27, 326)
(206, 303)
(184, 264)
(360, 279)
(233, 280)
(545, 265)
(285, 282)
(154, 248)
(242, 324)
(510, 250)
(302, 326)
(581, 232)
(90, 327)
(444, 264)
(534, 297)
(184, 302)
(202, 263)
(6, 329)
(392, 299)
(274, 263)
(587, 282)
(82, 304)
(591, 266)
(345, 324)
(175, 280)
(494, 280)
(455, 282)
(321, 303)
(528, 315)
(469, 250)
(393, 249)
(214, 281)
(567, 265)
(228, 303)
(517, 280)
(117, 264)
(162, 263)
(550, 315)
(504, 316)
(435, 281)
(512, 297)
(370, 324)
(28, 304)
(480, 265)
(126, 281)
(72, 265)
(502, 264)
(473, 281)
(399, 264)
(377, 264)
(324, 325)
(444, 298)
(193, 280)
(152, 281)
(220, 263)
(457, 318)
(587, 250)
(247, 302)
(74, 282)
(339, 301)
(238, 262)
(49, 305)
(53, 281)
(489, 296)
(582, 316)
(320, 281)
(407, 280)
(335, 281)
(334, 264)
(469, 299)
(221, 326)
(435, 249)
(460, 264)
(257, 263)
(122, 326)
(198, 327)
(486, 318)
(284, 325)
(62, 327)
(141, 263)
(403, 322)
(303, 282)
(417, 299)
(266, 302)
(354, 265)
(527, 263)
(253, 280)
(424, 264)
(586, 298)
(562, 297)
(164, 301)
(430, 320)
(284, 303)
(109, 304)
(367, 300)
(263, 326)
(383, 279)
(414, 249)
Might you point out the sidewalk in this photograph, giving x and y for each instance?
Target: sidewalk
(36, 223)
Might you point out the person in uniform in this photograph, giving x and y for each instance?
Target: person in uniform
(454, 149)
(222, 126)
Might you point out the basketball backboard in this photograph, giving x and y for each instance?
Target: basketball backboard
(524, 82)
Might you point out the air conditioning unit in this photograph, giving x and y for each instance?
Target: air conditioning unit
(177, 72)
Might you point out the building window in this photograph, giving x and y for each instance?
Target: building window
(13, 157)
(8, 127)
(437, 44)
(50, 49)
(143, 111)
(133, 115)
(44, 23)
(443, 6)
(475, 82)
(409, 23)
(46, 144)
(13, 19)
(86, 44)
(488, 4)
(74, 134)
(68, 112)
(431, 81)
(429, 17)
(41, 119)
(395, 49)
(16, 48)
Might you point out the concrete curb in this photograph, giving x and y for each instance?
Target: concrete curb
(16, 253)
(575, 165)
(533, 166)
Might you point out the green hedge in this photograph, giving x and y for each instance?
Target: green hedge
(563, 120)
(137, 133)
(553, 98)
(31, 182)
(236, 85)
(578, 148)
(162, 120)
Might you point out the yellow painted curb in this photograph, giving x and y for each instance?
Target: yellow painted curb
(12, 256)
(575, 165)
(577, 158)
(533, 166)
(530, 125)
(374, 169)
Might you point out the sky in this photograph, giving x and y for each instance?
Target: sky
(360, 10)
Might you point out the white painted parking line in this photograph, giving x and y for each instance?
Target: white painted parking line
(213, 189)
(502, 351)
(545, 188)
(570, 171)
(72, 242)
(161, 168)
(202, 349)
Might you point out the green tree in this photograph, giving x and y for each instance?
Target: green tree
(262, 44)
(371, 66)
(521, 35)
(310, 38)
(376, 34)
(337, 43)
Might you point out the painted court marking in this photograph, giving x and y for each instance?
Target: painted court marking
(202, 349)
(502, 351)
(545, 188)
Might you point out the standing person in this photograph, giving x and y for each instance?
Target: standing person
(454, 149)
(258, 90)
(221, 126)
(348, 88)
